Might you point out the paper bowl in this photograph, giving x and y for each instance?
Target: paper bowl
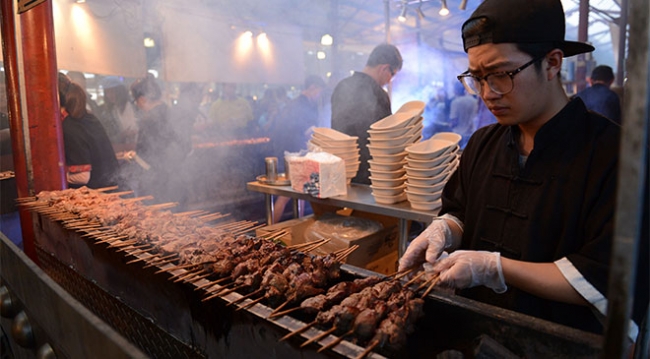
(387, 174)
(398, 157)
(396, 120)
(420, 180)
(332, 134)
(386, 166)
(390, 199)
(391, 133)
(438, 161)
(413, 196)
(429, 149)
(425, 206)
(387, 182)
(452, 137)
(425, 172)
(387, 191)
(427, 189)
(385, 150)
(396, 141)
(413, 106)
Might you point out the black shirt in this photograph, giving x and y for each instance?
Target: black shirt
(560, 204)
(358, 102)
(87, 148)
(292, 124)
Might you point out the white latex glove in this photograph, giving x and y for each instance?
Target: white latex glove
(428, 245)
(467, 269)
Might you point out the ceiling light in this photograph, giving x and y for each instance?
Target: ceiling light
(248, 34)
(402, 15)
(321, 55)
(463, 5)
(149, 42)
(81, 1)
(326, 40)
(444, 10)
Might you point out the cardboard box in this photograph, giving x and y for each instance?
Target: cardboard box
(277, 227)
(377, 251)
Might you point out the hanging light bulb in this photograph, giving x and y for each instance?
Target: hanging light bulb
(402, 15)
(326, 40)
(463, 5)
(444, 10)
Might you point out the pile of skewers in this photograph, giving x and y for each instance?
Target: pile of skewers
(220, 258)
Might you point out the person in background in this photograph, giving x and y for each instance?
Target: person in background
(599, 97)
(462, 113)
(186, 112)
(360, 100)
(89, 156)
(79, 78)
(158, 148)
(117, 113)
(231, 114)
(436, 115)
(292, 128)
(529, 214)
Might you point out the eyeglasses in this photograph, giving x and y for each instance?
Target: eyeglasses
(499, 82)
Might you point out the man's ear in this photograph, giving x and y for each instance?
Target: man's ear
(554, 63)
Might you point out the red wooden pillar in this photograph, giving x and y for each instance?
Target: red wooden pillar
(43, 166)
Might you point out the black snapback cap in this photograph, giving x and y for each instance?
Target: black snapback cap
(522, 21)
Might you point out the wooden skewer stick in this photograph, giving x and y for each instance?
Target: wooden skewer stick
(211, 217)
(228, 291)
(414, 279)
(218, 294)
(212, 283)
(298, 331)
(140, 259)
(335, 342)
(189, 275)
(433, 284)
(403, 273)
(250, 229)
(370, 347)
(163, 206)
(229, 225)
(183, 266)
(189, 213)
(161, 260)
(276, 310)
(137, 199)
(278, 233)
(284, 312)
(251, 294)
(426, 283)
(104, 189)
(344, 255)
(123, 244)
(119, 193)
(202, 276)
(124, 249)
(319, 337)
(251, 303)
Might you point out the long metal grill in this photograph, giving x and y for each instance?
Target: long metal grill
(139, 330)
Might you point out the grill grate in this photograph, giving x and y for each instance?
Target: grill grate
(140, 331)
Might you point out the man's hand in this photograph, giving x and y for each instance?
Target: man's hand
(467, 269)
(428, 245)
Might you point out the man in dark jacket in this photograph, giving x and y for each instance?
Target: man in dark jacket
(359, 101)
(599, 98)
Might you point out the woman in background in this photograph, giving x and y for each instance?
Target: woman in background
(89, 156)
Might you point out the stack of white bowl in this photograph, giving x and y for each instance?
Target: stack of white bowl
(340, 145)
(387, 141)
(429, 165)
